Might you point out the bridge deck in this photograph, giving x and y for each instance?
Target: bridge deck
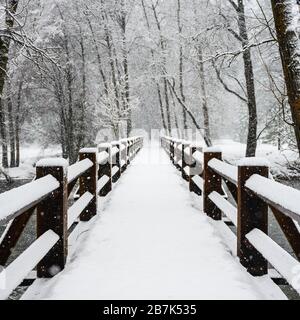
(152, 242)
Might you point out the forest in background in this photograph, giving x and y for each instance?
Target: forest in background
(71, 68)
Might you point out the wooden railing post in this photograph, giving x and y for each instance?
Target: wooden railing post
(124, 155)
(141, 143)
(105, 169)
(88, 182)
(176, 152)
(138, 141)
(132, 148)
(172, 149)
(185, 160)
(128, 152)
(52, 215)
(117, 161)
(179, 155)
(212, 182)
(194, 170)
(252, 213)
(135, 146)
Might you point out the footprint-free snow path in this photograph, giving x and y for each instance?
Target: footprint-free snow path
(149, 242)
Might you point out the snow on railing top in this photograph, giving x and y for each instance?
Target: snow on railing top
(88, 150)
(104, 145)
(281, 260)
(196, 145)
(198, 156)
(18, 200)
(53, 162)
(253, 162)
(224, 169)
(284, 198)
(185, 142)
(227, 208)
(102, 156)
(16, 272)
(78, 168)
(212, 149)
(114, 151)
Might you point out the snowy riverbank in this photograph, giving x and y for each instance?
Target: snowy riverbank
(283, 163)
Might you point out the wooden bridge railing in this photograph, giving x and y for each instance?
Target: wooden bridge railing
(48, 195)
(254, 192)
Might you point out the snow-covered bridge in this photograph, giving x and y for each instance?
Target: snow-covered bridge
(150, 238)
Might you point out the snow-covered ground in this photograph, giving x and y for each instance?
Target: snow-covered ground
(151, 241)
(280, 161)
(30, 154)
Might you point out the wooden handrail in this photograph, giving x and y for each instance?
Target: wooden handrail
(251, 214)
(12, 203)
(287, 194)
(55, 181)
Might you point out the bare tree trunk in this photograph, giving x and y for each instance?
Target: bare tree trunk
(125, 68)
(157, 83)
(11, 129)
(11, 8)
(69, 119)
(3, 135)
(161, 107)
(167, 104)
(63, 123)
(249, 76)
(205, 112)
(165, 81)
(17, 124)
(184, 115)
(81, 140)
(175, 115)
(108, 41)
(98, 58)
(70, 115)
(289, 44)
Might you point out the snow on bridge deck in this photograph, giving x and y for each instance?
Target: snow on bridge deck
(152, 242)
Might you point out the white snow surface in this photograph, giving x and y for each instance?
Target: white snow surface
(30, 154)
(233, 151)
(88, 150)
(102, 157)
(225, 169)
(78, 169)
(212, 149)
(198, 156)
(150, 242)
(78, 207)
(16, 199)
(104, 145)
(282, 261)
(253, 162)
(285, 196)
(16, 272)
(53, 162)
(227, 208)
(114, 151)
